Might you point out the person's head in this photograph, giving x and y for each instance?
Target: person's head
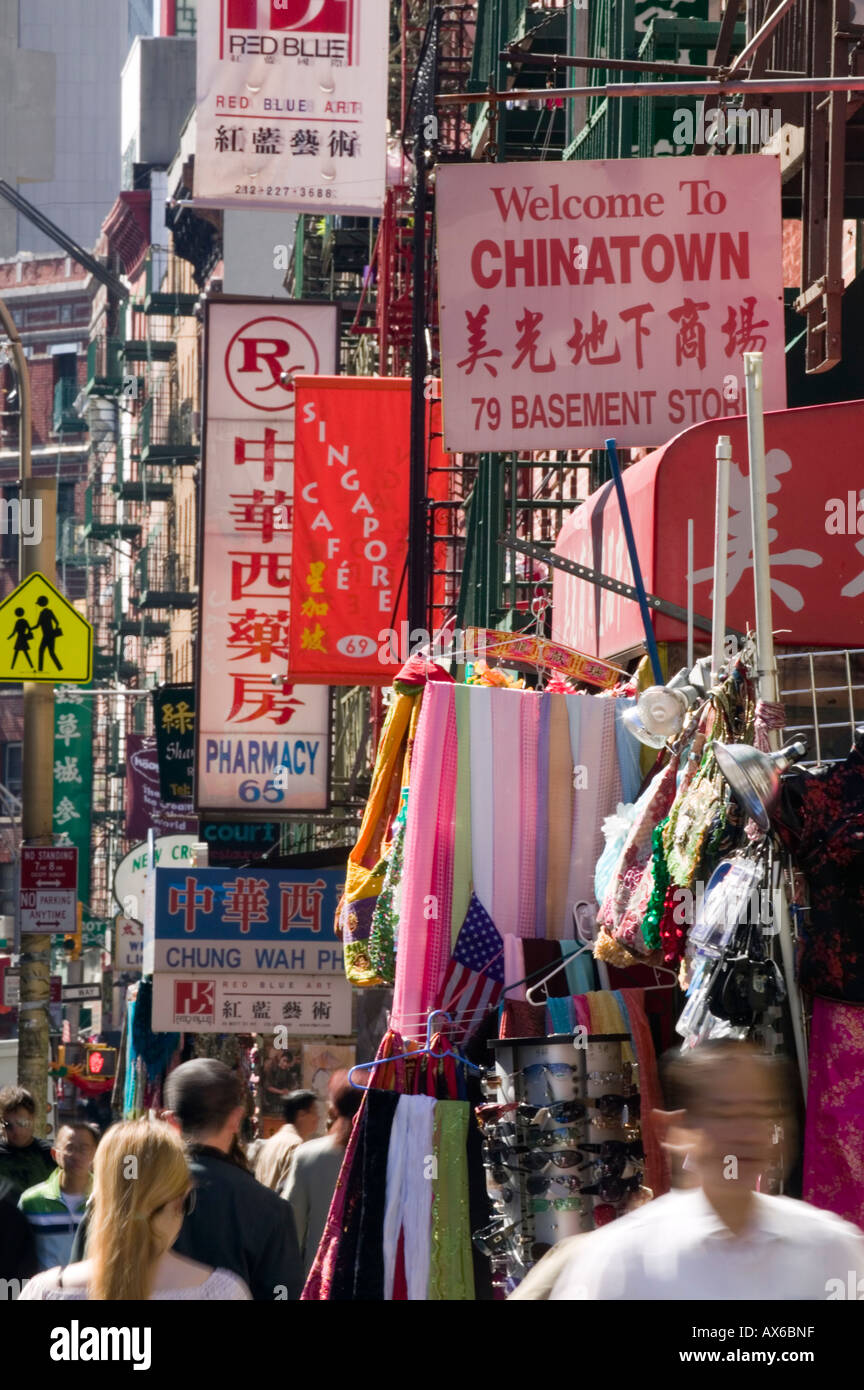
(141, 1191)
(42, 602)
(73, 1152)
(726, 1100)
(300, 1109)
(345, 1101)
(17, 1116)
(207, 1101)
(19, 612)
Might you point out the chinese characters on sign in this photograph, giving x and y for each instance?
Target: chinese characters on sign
(249, 728)
(229, 919)
(73, 776)
(174, 722)
(350, 526)
(605, 298)
(308, 1005)
(292, 104)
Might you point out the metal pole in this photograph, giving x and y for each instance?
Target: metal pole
(419, 367)
(723, 455)
(778, 86)
(638, 581)
(766, 674)
(690, 600)
(37, 795)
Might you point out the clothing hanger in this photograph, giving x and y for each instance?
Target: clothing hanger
(425, 1051)
(662, 970)
(556, 970)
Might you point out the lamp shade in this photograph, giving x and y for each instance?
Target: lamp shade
(754, 777)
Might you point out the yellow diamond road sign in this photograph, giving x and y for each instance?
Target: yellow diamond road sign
(42, 637)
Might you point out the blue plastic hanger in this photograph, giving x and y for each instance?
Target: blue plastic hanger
(412, 1056)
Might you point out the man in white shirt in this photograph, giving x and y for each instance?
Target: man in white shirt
(275, 1156)
(721, 1239)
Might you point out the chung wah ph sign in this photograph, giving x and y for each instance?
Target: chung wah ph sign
(249, 729)
(616, 297)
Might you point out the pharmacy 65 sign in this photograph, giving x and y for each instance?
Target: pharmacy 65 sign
(588, 299)
(262, 745)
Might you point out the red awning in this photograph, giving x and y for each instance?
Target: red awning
(813, 462)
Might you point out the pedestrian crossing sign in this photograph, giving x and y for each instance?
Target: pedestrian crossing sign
(42, 637)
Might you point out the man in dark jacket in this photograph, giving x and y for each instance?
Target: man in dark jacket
(24, 1160)
(237, 1224)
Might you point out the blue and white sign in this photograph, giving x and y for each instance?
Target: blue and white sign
(225, 920)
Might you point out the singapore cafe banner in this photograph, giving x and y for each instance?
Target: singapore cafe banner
(348, 590)
(247, 727)
(589, 299)
(292, 104)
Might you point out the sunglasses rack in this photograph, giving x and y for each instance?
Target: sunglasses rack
(538, 1117)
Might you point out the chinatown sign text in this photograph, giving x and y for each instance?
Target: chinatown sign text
(616, 295)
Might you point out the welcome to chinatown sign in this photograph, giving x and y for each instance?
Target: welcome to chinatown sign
(616, 297)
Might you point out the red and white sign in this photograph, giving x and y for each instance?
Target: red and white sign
(350, 527)
(292, 104)
(247, 726)
(588, 300)
(308, 1005)
(817, 548)
(48, 896)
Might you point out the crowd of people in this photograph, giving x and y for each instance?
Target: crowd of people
(176, 1211)
(170, 1207)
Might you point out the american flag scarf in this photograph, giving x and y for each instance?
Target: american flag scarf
(475, 975)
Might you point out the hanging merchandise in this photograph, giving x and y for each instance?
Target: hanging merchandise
(410, 1187)
(366, 924)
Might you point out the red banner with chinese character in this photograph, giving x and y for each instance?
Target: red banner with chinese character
(348, 575)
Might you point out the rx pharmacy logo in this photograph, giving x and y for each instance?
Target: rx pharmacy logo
(299, 16)
(263, 356)
(194, 998)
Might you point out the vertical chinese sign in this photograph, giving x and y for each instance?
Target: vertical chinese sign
(174, 722)
(73, 775)
(605, 298)
(292, 104)
(350, 528)
(249, 726)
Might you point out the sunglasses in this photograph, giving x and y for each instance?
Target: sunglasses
(495, 1237)
(556, 1204)
(612, 1189)
(18, 1124)
(558, 1109)
(616, 1105)
(545, 1139)
(611, 1148)
(553, 1068)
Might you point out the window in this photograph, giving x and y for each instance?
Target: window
(12, 767)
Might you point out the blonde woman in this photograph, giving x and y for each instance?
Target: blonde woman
(141, 1192)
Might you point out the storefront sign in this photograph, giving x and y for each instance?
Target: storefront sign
(350, 527)
(238, 842)
(608, 298)
(145, 808)
(224, 920)
(174, 722)
(249, 729)
(292, 104)
(128, 944)
(73, 776)
(308, 1005)
(817, 572)
(48, 895)
(130, 876)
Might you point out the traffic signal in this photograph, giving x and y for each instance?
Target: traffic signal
(72, 944)
(101, 1062)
